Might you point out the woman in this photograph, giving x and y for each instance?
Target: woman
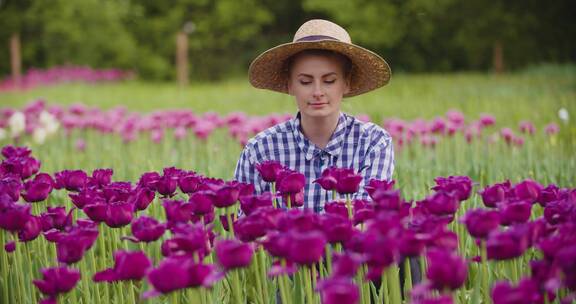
(319, 68)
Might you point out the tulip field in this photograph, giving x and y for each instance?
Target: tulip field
(123, 192)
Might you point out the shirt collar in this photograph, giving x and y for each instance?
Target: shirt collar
(334, 145)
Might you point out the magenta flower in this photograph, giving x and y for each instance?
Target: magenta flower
(441, 203)
(189, 182)
(10, 246)
(446, 269)
(548, 194)
(11, 186)
(336, 207)
(508, 244)
(31, 229)
(290, 182)
(127, 266)
(337, 290)
(378, 185)
(57, 280)
(100, 178)
(11, 151)
(176, 273)
(71, 180)
(514, 212)
(491, 195)
(226, 196)
(481, 222)
(177, 211)
(167, 183)
(202, 202)
(38, 189)
(14, 217)
(306, 247)
(487, 120)
(560, 211)
(97, 212)
(527, 291)
(386, 199)
(147, 229)
(250, 203)
(56, 218)
(269, 170)
(336, 228)
(551, 128)
(527, 127)
(411, 244)
(328, 179)
(277, 244)
(233, 254)
(461, 186)
(251, 227)
(363, 211)
(187, 239)
(527, 190)
(346, 264)
(141, 198)
(348, 182)
(22, 166)
(119, 214)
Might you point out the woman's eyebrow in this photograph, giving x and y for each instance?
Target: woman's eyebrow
(311, 76)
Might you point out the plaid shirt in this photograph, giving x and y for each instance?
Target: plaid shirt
(365, 147)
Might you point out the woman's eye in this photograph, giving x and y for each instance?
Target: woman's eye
(330, 81)
(305, 82)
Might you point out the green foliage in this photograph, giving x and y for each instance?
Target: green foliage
(413, 35)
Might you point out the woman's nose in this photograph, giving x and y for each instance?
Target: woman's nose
(318, 90)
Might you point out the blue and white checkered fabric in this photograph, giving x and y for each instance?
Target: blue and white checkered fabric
(365, 147)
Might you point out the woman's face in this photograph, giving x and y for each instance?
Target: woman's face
(318, 84)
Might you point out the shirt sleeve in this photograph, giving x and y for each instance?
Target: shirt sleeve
(246, 171)
(378, 164)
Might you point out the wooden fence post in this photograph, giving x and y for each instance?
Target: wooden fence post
(16, 59)
(182, 58)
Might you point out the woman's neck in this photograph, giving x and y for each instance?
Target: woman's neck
(319, 129)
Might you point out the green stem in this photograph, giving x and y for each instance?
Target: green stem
(485, 284)
(263, 267)
(314, 283)
(393, 283)
(259, 289)
(288, 202)
(274, 198)
(407, 278)
(308, 282)
(230, 223)
(236, 292)
(349, 207)
(329, 259)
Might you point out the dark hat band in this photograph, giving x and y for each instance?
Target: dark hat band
(316, 38)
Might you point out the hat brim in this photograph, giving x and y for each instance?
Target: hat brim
(369, 70)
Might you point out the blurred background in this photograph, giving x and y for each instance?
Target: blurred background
(225, 35)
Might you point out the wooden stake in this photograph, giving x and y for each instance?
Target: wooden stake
(16, 58)
(182, 58)
(498, 58)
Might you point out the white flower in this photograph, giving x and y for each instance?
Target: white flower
(39, 135)
(17, 123)
(3, 134)
(563, 114)
(49, 122)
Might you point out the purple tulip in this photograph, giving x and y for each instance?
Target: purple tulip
(167, 183)
(31, 230)
(176, 273)
(461, 186)
(337, 208)
(10, 246)
(566, 260)
(57, 280)
(11, 151)
(269, 170)
(386, 199)
(97, 212)
(514, 212)
(327, 180)
(378, 185)
(187, 239)
(277, 244)
(127, 266)
(149, 180)
(147, 229)
(226, 196)
(338, 290)
(141, 198)
(446, 269)
(15, 217)
(56, 218)
(24, 166)
(189, 182)
(527, 127)
(71, 180)
(251, 227)
(549, 194)
(250, 203)
(551, 128)
(233, 254)
(380, 251)
(38, 189)
(177, 211)
(491, 195)
(336, 228)
(527, 291)
(363, 211)
(11, 186)
(70, 250)
(202, 202)
(348, 182)
(296, 199)
(560, 211)
(443, 239)
(411, 244)
(290, 182)
(119, 214)
(295, 219)
(504, 245)
(441, 203)
(527, 190)
(346, 265)
(480, 222)
(100, 178)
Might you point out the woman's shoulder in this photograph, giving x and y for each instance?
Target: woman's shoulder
(369, 130)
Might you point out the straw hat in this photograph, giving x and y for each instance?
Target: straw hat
(369, 71)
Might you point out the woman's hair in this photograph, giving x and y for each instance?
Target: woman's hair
(345, 62)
